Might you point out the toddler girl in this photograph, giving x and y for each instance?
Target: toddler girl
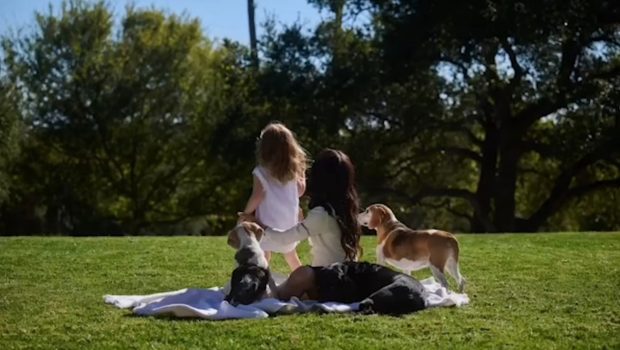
(279, 181)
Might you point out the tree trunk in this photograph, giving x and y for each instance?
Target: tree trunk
(136, 222)
(505, 189)
(252, 25)
(486, 182)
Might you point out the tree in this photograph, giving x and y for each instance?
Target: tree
(129, 115)
(488, 116)
(9, 134)
(521, 80)
(252, 27)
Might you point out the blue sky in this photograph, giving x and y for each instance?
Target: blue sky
(220, 18)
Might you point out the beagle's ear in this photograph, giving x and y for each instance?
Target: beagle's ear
(378, 216)
(233, 239)
(383, 214)
(259, 232)
(254, 229)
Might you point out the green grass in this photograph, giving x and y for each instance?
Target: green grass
(527, 291)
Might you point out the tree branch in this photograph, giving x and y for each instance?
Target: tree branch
(567, 91)
(570, 52)
(516, 67)
(458, 64)
(609, 72)
(442, 205)
(404, 166)
(459, 214)
(451, 150)
(591, 187)
(561, 190)
(432, 192)
(533, 146)
(460, 128)
(459, 151)
(424, 193)
(380, 116)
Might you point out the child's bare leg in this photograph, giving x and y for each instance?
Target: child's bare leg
(268, 256)
(292, 259)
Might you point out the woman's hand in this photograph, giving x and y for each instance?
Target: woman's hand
(249, 217)
(300, 216)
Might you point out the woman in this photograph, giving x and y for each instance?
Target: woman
(331, 224)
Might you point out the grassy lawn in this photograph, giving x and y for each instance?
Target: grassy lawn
(528, 291)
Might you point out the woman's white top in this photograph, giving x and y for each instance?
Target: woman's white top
(324, 234)
(279, 209)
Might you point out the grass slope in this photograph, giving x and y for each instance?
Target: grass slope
(528, 291)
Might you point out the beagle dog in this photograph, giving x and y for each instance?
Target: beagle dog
(250, 279)
(412, 250)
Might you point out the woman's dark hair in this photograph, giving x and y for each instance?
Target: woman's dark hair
(331, 185)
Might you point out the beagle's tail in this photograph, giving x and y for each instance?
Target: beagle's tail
(452, 265)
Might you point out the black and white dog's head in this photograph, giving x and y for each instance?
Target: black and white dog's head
(247, 284)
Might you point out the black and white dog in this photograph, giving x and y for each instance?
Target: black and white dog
(249, 281)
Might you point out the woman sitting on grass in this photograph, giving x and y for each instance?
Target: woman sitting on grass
(332, 227)
(331, 223)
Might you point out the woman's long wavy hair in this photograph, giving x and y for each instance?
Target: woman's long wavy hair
(331, 185)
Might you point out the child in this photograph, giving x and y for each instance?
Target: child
(279, 181)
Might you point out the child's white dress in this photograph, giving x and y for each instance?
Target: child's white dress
(279, 210)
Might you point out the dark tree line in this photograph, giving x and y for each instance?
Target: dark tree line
(483, 116)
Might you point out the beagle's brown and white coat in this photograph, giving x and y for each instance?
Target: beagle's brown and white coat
(411, 250)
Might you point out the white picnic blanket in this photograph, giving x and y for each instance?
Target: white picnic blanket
(210, 304)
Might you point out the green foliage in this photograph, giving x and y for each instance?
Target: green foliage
(9, 135)
(127, 118)
(483, 116)
(534, 297)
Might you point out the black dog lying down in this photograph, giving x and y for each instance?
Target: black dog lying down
(379, 289)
